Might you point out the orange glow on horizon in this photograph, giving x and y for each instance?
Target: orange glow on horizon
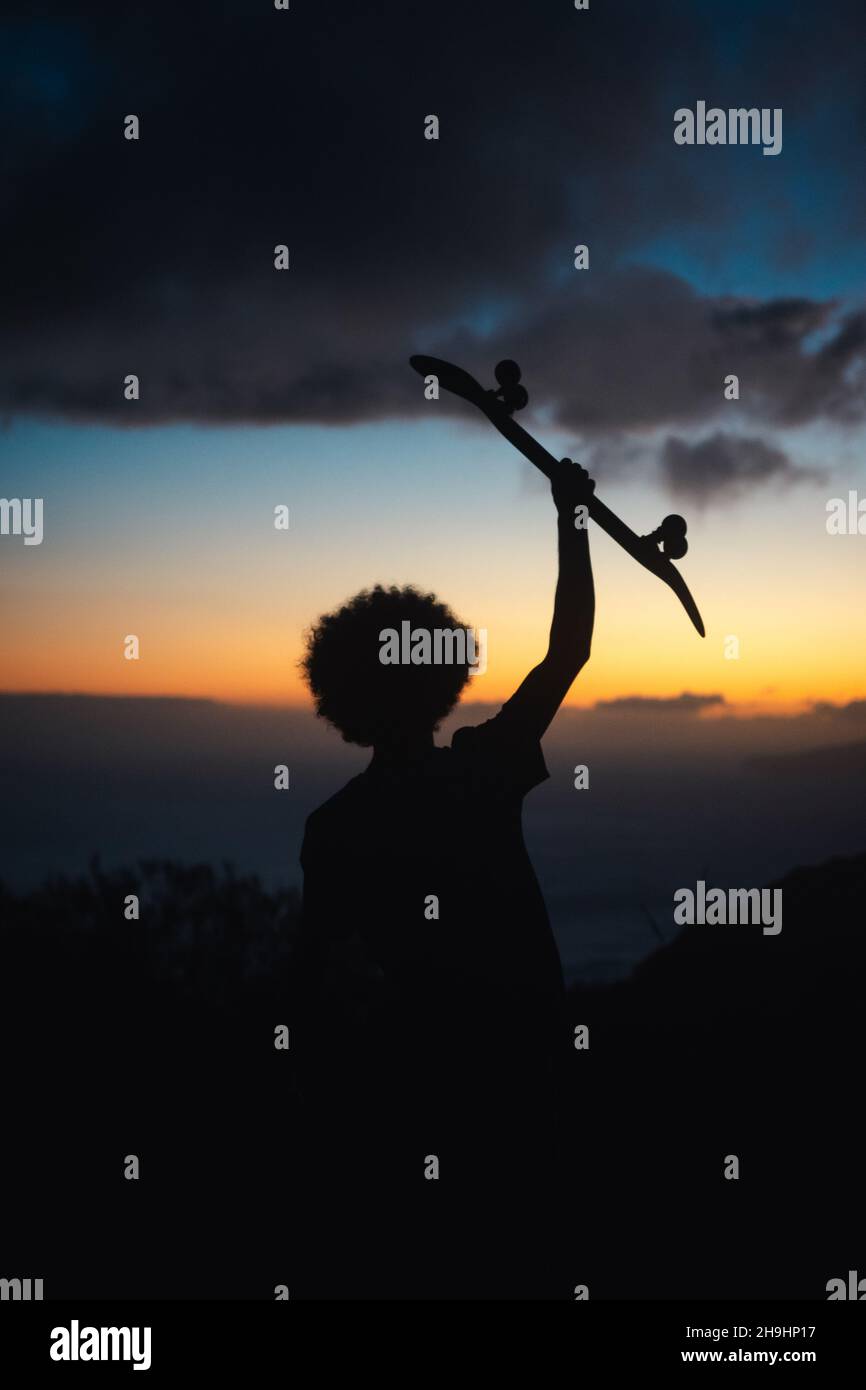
(222, 617)
(260, 668)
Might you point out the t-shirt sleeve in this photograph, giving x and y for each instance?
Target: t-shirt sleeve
(502, 753)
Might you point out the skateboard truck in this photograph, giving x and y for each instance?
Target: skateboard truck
(671, 536)
(512, 395)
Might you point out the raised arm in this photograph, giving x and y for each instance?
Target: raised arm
(539, 696)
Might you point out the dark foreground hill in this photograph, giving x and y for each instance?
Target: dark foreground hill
(731, 1042)
(156, 1038)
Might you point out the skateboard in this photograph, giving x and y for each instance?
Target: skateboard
(656, 552)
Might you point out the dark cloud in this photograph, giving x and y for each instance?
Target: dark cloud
(306, 128)
(640, 349)
(777, 325)
(303, 128)
(685, 703)
(854, 710)
(725, 465)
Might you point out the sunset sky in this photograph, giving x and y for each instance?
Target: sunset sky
(172, 539)
(261, 388)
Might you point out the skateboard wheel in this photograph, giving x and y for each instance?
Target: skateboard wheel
(515, 397)
(507, 373)
(672, 534)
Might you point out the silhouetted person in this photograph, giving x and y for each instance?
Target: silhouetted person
(423, 856)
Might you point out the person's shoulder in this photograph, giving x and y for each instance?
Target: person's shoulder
(490, 733)
(501, 750)
(470, 736)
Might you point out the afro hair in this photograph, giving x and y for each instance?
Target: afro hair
(368, 701)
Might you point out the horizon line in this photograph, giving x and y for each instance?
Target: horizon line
(716, 707)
